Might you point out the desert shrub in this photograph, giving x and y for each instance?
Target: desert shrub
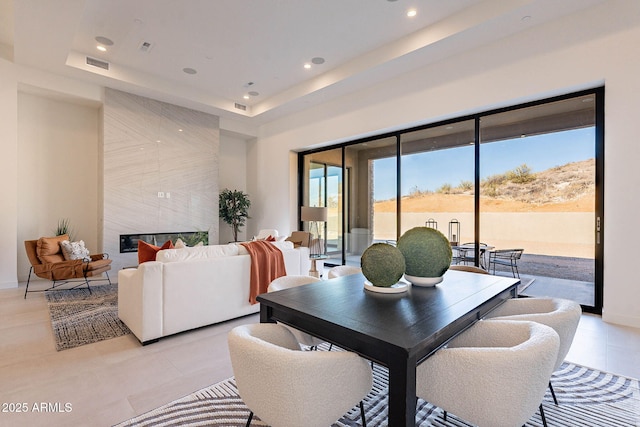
(444, 189)
(520, 175)
(466, 185)
(493, 180)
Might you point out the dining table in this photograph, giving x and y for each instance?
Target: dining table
(396, 330)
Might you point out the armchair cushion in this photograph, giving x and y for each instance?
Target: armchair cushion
(48, 248)
(74, 250)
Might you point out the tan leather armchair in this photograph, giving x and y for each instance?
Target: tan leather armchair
(47, 262)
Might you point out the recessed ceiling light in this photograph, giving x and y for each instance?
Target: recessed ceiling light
(246, 97)
(179, 130)
(189, 70)
(525, 18)
(307, 66)
(411, 13)
(104, 40)
(101, 48)
(317, 60)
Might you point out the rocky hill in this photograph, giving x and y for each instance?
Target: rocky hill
(566, 188)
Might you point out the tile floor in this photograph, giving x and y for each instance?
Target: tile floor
(114, 380)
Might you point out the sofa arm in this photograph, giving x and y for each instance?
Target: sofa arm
(140, 300)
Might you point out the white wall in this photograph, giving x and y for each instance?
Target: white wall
(58, 171)
(8, 172)
(592, 48)
(233, 175)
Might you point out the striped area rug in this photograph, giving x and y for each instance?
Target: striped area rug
(80, 317)
(587, 397)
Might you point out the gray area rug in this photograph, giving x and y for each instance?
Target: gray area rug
(79, 317)
(587, 397)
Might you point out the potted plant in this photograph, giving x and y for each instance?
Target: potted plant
(234, 209)
(383, 265)
(427, 254)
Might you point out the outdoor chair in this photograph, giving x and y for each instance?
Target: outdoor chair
(48, 262)
(467, 253)
(287, 387)
(506, 257)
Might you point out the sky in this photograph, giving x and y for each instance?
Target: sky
(430, 170)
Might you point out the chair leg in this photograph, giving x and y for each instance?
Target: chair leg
(364, 419)
(544, 420)
(250, 418)
(553, 394)
(28, 280)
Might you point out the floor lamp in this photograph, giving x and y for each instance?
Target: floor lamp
(313, 215)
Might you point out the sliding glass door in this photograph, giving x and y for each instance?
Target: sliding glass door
(538, 194)
(518, 191)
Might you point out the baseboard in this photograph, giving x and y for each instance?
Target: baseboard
(8, 285)
(632, 321)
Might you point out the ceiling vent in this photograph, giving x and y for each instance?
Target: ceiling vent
(97, 63)
(241, 107)
(145, 47)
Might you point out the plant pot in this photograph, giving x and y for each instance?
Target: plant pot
(423, 281)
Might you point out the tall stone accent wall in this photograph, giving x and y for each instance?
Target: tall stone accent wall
(159, 169)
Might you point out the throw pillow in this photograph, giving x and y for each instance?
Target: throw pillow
(48, 248)
(270, 238)
(75, 250)
(179, 244)
(147, 251)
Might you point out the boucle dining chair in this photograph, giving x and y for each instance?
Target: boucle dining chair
(492, 375)
(468, 268)
(286, 282)
(560, 314)
(287, 387)
(342, 270)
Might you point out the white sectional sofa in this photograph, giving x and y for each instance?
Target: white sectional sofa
(192, 287)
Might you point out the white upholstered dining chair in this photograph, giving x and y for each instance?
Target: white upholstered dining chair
(286, 282)
(287, 387)
(560, 314)
(342, 270)
(492, 375)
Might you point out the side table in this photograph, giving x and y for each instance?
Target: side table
(314, 271)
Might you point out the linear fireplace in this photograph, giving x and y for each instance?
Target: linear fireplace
(129, 242)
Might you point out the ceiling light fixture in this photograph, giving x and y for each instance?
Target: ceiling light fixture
(307, 66)
(104, 40)
(411, 13)
(101, 48)
(317, 60)
(525, 18)
(246, 97)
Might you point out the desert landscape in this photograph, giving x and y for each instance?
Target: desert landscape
(547, 213)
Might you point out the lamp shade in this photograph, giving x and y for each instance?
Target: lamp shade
(313, 213)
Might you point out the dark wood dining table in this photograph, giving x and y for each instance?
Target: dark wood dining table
(396, 330)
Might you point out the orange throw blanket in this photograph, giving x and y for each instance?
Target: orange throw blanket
(267, 264)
